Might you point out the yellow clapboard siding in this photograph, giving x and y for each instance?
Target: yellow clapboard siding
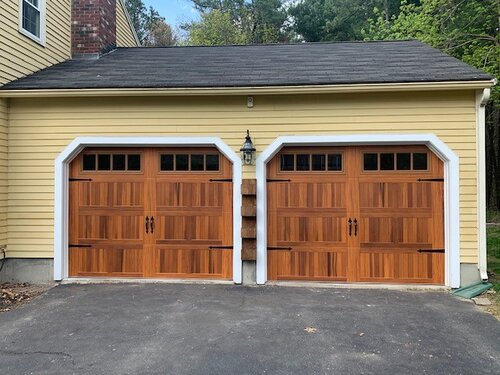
(124, 34)
(3, 171)
(23, 56)
(41, 128)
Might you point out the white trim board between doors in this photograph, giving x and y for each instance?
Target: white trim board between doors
(451, 185)
(61, 198)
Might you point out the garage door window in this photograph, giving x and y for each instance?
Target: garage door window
(311, 162)
(189, 162)
(399, 161)
(111, 162)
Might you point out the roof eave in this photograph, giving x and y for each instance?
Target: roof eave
(266, 90)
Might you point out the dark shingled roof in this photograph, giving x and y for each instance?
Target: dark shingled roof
(256, 65)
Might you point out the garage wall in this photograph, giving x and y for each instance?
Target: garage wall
(41, 128)
(3, 170)
(20, 55)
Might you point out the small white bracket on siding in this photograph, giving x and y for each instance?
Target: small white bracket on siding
(451, 186)
(61, 197)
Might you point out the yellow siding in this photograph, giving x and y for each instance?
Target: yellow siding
(20, 55)
(42, 128)
(3, 171)
(124, 34)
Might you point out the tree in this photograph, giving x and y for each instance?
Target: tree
(215, 28)
(468, 30)
(151, 28)
(262, 21)
(160, 35)
(330, 20)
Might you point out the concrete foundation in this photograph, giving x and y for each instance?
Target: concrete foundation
(41, 271)
(469, 274)
(249, 272)
(36, 271)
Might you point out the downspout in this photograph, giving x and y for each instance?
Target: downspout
(482, 97)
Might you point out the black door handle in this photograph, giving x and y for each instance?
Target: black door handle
(147, 224)
(355, 227)
(152, 224)
(350, 226)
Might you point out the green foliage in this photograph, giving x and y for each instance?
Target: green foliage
(494, 256)
(260, 21)
(214, 29)
(330, 20)
(467, 30)
(151, 28)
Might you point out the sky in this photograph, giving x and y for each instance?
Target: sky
(175, 12)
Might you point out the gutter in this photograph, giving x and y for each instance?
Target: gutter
(267, 90)
(482, 97)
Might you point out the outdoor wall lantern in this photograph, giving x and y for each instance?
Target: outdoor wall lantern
(248, 151)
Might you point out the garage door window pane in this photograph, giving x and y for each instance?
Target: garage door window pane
(403, 161)
(318, 162)
(287, 162)
(167, 162)
(181, 162)
(335, 162)
(89, 162)
(370, 162)
(197, 163)
(212, 162)
(104, 162)
(387, 162)
(303, 162)
(420, 161)
(119, 162)
(134, 162)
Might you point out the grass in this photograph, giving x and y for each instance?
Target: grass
(494, 256)
(492, 216)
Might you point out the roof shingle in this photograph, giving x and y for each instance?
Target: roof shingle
(256, 66)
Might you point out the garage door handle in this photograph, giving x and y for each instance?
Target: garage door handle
(147, 224)
(355, 227)
(350, 227)
(152, 224)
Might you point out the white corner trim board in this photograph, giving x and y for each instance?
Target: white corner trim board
(482, 97)
(61, 201)
(451, 184)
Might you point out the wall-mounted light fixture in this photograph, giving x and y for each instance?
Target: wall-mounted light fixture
(248, 151)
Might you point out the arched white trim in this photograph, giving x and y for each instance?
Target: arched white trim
(61, 188)
(451, 183)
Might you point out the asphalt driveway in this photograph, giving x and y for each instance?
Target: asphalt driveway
(218, 329)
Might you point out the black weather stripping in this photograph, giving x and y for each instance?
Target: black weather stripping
(431, 250)
(278, 180)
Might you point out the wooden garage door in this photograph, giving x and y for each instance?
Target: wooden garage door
(357, 214)
(150, 213)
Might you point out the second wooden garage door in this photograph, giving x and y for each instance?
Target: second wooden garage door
(357, 214)
(150, 213)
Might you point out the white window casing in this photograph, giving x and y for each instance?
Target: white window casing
(35, 8)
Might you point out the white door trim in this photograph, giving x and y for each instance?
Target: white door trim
(61, 201)
(451, 184)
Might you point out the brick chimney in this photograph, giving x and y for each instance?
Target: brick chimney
(93, 27)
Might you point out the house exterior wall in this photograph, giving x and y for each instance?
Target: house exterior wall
(20, 55)
(41, 128)
(3, 170)
(125, 36)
